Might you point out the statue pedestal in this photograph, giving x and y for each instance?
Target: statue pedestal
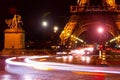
(14, 40)
(14, 52)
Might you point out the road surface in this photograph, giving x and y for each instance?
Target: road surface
(54, 71)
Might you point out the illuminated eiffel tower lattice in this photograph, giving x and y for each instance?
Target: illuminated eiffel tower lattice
(86, 12)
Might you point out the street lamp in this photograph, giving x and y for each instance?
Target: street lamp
(55, 29)
(100, 30)
(102, 54)
(44, 24)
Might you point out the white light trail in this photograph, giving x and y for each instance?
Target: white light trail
(30, 62)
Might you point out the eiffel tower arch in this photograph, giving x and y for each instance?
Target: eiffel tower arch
(91, 12)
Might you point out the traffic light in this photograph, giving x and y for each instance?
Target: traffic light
(101, 47)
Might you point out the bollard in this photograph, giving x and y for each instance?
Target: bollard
(100, 54)
(103, 58)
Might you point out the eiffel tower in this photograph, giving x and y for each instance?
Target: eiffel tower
(88, 12)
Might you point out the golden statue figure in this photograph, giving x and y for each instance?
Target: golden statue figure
(81, 2)
(111, 3)
(15, 22)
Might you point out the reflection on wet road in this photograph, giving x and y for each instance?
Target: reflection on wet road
(72, 59)
(57, 68)
(61, 75)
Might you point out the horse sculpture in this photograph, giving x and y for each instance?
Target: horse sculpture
(15, 22)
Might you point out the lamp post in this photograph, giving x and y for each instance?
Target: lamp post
(44, 24)
(102, 55)
(55, 29)
(100, 31)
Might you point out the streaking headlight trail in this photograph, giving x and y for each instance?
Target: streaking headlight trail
(30, 65)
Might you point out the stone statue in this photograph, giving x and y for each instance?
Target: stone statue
(82, 2)
(15, 22)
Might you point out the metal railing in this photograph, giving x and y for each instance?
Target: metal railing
(74, 9)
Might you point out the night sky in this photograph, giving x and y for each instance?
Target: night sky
(56, 12)
(33, 12)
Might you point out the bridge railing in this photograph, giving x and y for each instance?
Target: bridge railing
(74, 9)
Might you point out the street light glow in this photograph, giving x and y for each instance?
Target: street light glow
(44, 23)
(55, 29)
(100, 30)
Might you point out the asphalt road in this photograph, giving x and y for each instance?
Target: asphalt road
(52, 74)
